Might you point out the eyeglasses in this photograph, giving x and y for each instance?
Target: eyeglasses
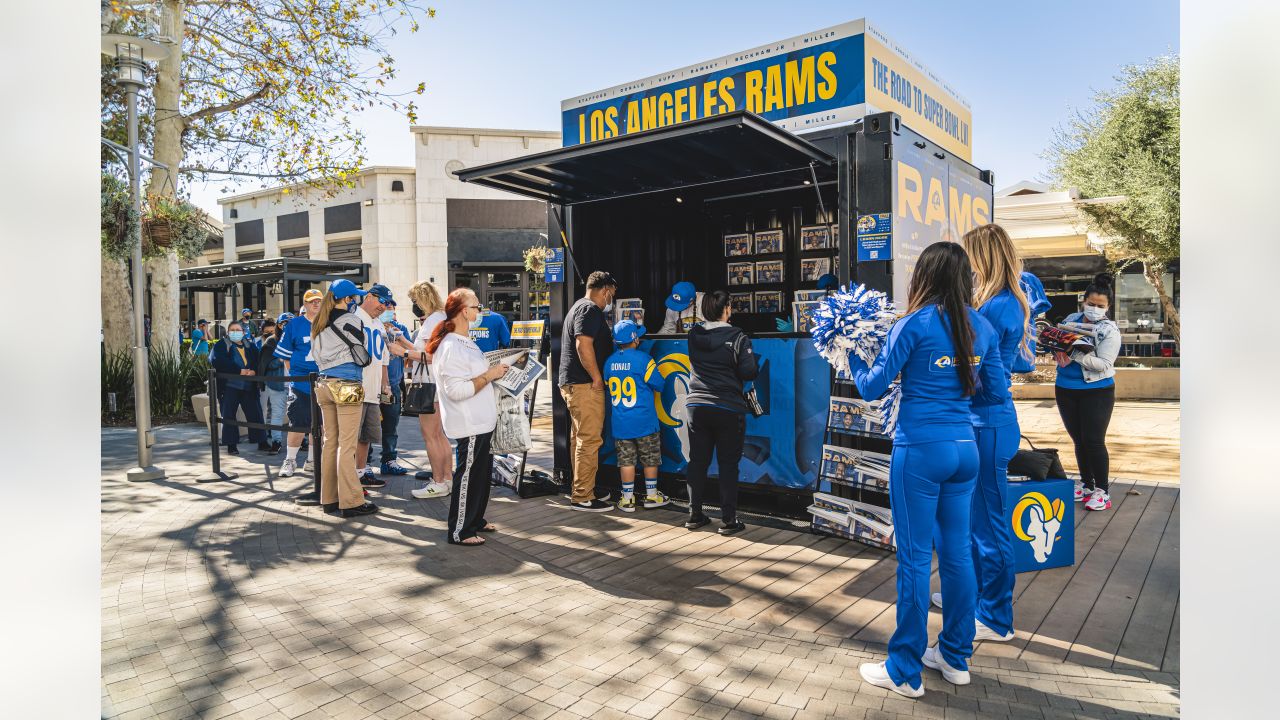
(475, 307)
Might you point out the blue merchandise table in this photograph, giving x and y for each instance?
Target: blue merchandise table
(1042, 514)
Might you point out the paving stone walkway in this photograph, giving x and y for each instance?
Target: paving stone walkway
(228, 600)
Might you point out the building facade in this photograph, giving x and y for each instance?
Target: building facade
(407, 223)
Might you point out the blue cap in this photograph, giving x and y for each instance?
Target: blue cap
(626, 331)
(382, 292)
(284, 318)
(246, 310)
(202, 321)
(682, 295)
(344, 289)
(828, 282)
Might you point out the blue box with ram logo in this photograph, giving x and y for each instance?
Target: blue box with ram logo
(1042, 516)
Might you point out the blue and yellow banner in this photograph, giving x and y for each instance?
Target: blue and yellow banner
(802, 83)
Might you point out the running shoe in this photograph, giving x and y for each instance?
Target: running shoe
(933, 658)
(656, 500)
(431, 490)
(288, 468)
(392, 467)
(876, 674)
(1079, 491)
(1099, 500)
(982, 632)
(370, 480)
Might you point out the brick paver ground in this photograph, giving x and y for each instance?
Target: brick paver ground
(227, 600)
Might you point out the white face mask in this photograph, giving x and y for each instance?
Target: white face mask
(1094, 313)
(473, 324)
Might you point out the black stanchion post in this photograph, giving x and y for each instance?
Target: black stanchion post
(217, 474)
(314, 453)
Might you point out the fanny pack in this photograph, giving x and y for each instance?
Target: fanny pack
(359, 353)
(345, 392)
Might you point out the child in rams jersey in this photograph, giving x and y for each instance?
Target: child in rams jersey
(631, 378)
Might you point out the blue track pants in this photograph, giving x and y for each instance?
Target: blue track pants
(930, 489)
(992, 533)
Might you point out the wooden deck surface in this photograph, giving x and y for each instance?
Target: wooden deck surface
(1116, 607)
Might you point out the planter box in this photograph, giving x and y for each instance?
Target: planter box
(200, 406)
(1131, 384)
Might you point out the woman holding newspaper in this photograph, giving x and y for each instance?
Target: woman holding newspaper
(468, 412)
(947, 357)
(1086, 348)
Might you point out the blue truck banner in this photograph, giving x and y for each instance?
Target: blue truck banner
(829, 77)
(784, 447)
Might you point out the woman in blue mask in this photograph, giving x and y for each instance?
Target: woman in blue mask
(947, 357)
(238, 354)
(1086, 392)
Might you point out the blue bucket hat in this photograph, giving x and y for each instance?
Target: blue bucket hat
(828, 282)
(682, 295)
(626, 331)
(344, 289)
(382, 292)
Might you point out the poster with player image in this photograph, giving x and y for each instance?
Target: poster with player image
(768, 301)
(851, 415)
(802, 315)
(741, 302)
(741, 273)
(815, 237)
(839, 464)
(768, 241)
(813, 268)
(769, 271)
(622, 308)
(635, 315)
(737, 245)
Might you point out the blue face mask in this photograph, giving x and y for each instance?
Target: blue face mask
(236, 335)
(387, 316)
(352, 305)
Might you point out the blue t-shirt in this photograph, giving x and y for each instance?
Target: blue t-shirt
(631, 378)
(493, 333)
(1004, 312)
(295, 346)
(1071, 377)
(933, 407)
(199, 345)
(395, 366)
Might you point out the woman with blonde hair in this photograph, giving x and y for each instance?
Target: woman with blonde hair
(439, 479)
(999, 299)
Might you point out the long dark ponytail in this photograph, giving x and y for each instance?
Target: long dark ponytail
(943, 275)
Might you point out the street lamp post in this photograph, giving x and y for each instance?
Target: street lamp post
(132, 54)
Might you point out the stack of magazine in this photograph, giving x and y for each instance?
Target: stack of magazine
(856, 416)
(855, 468)
(854, 520)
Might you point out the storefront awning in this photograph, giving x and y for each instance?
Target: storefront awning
(209, 278)
(717, 149)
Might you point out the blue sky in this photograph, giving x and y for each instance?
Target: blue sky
(1022, 66)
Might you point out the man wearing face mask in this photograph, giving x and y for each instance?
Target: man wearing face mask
(585, 342)
(377, 383)
(237, 353)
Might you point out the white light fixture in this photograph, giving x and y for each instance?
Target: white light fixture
(132, 55)
(806, 182)
(679, 199)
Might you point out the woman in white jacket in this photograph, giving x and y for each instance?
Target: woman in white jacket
(468, 411)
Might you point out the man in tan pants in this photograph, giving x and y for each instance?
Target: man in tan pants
(585, 343)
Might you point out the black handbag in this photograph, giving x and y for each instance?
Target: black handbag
(1037, 463)
(420, 393)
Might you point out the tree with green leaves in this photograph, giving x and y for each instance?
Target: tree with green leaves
(263, 89)
(1127, 144)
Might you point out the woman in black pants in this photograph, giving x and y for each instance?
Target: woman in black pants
(1086, 392)
(721, 360)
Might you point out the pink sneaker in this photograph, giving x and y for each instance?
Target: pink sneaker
(1099, 500)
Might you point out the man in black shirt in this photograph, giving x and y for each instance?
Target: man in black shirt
(585, 342)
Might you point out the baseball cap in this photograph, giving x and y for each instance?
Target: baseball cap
(625, 331)
(682, 295)
(382, 292)
(284, 318)
(344, 289)
(312, 294)
(202, 321)
(828, 282)
(246, 311)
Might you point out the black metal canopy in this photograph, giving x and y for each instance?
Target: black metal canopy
(217, 277)
(722, 148)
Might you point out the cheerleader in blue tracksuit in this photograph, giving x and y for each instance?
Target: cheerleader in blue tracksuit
(1000, 300)
(947, 357)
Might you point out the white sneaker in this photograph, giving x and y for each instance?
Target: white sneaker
(933, 658)
(432, 490)
(1079, 491)
(876, 674)
(1099, 500)
(982, 632)
(288, 468)
(936, 599)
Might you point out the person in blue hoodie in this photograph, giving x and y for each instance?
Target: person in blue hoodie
(237, 353)
(1000, 300)
(947, 357)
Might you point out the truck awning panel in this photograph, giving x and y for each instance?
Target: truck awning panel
(723, 148)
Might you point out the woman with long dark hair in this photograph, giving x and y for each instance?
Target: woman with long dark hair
(946, 355)
(1086, 392)
(468, 412)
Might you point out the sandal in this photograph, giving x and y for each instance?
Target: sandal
(472, 541)
(489, 528)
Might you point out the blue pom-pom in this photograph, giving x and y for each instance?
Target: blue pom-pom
(855, 320)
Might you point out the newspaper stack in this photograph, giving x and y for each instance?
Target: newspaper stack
(523, 373)
(851, 519)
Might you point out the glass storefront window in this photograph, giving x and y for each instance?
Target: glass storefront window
(504, 280)
(467, 280)
(1138, 307)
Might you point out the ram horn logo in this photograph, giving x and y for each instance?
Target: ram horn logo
(670, 403)
(1042, 525)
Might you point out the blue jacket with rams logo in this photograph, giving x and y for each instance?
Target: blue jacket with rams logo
(631, 378)
(932, 406)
